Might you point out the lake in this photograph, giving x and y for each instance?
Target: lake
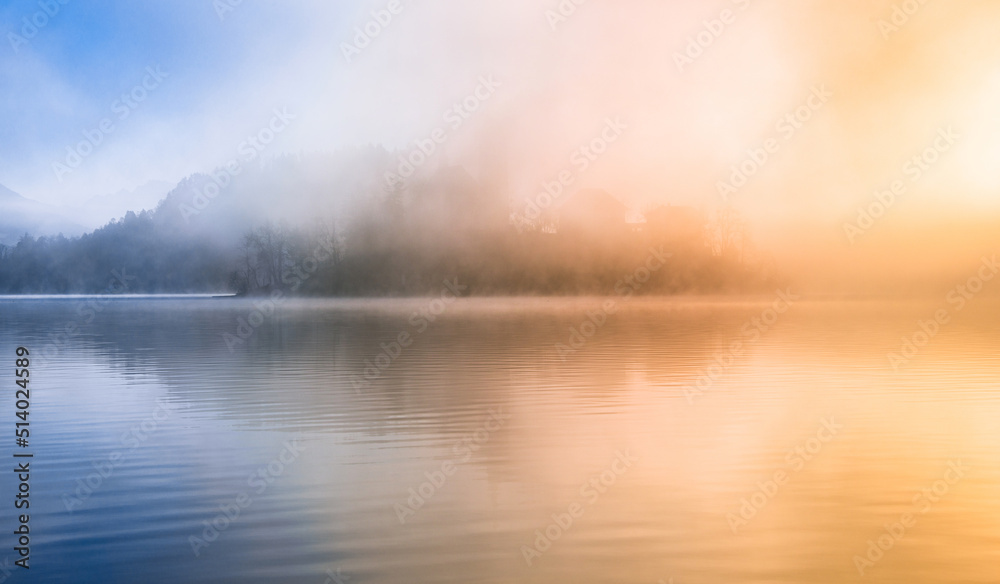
(433, 440)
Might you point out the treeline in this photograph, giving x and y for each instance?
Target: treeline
(364, 240)
(134, 250)
(322, 260)
(354, 262)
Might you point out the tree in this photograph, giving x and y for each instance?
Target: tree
(728, 233)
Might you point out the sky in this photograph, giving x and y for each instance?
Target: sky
(696, 89)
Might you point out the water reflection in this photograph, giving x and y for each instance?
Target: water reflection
(233, 407)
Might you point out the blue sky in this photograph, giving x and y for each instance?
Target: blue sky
(224, 77)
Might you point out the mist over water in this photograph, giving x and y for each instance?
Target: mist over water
(812, 395)
(503, 291)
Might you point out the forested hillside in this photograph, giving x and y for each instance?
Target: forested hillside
(334, 226)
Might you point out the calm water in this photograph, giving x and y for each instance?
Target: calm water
(647, 475)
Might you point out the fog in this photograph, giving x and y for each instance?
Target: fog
(618, 96)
